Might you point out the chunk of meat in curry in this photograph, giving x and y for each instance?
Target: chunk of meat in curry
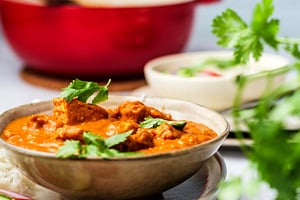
(71, 119)
(75, 112)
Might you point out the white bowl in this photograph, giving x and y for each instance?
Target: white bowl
(216, 93)
(117, 178)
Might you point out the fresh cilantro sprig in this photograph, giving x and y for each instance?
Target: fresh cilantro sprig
(2, 197)
(246, 39)
(275, 151)
(94, 146)
(151, 122)
(83, 90)
(249, 39)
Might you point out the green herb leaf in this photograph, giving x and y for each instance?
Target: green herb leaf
(229, 27)
(2, 197)
(83, 90)
(94, 145)
(247, 40)
(71, 149)
(116, 139)
(275, 151)
(93, 139)
(151, 122)
(92, 150)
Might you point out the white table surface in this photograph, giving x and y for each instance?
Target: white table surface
(14, 91)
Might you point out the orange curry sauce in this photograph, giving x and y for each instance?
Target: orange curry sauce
(47, 133)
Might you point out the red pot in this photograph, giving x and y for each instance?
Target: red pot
(102, 42)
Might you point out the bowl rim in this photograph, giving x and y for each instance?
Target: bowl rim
(179, 152)
(150, 66)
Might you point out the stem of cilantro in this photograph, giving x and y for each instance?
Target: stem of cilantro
(274, 152)
(286, 40)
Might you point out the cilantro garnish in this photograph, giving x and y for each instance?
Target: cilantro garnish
(94, 146)
(71, 149)
(2, 197)
(151, 122)
(275, 151)
(83, 90)
(247, 39)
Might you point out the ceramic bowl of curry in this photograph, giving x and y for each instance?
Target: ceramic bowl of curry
(144, 174)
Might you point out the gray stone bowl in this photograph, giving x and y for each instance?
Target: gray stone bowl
(117, 178)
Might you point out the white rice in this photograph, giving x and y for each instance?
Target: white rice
(11, 179)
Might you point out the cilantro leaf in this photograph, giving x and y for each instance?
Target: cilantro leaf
(94, 145)
(264, 26)
(93, 139)
(274, 151)
(2, 197)
(290, 45)
(92, 150)
(116, 139)
(275, 167)
(83, 90)
(247, 39)
(228, 27)
(151, 122)
(71, 149)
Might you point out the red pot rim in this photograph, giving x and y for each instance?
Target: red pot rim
(151, 4)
